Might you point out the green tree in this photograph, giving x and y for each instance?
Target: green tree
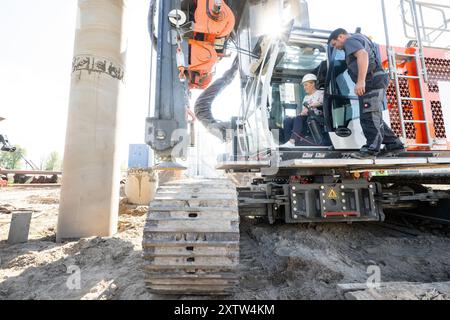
(12, 160)
(53, 162)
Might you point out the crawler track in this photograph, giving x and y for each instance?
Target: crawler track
(191, 239)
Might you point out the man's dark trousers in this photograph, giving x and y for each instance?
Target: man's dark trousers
(376, 131)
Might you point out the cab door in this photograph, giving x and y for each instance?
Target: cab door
(342, 109)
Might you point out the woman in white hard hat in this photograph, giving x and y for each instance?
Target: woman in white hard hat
(297, 128)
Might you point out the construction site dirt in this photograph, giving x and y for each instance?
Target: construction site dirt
(276, 262)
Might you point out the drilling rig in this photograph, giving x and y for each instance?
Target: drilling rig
(191, 238)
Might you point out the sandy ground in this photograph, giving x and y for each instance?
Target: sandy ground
(109, 268)
(277, 262)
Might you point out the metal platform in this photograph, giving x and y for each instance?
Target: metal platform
(242, 165)
(375, 164)
(349, 164)
(439, 160)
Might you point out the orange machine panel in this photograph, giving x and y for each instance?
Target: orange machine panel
(203, 59)
(212, 26)
(438, 69)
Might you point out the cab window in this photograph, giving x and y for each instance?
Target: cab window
(345, 104)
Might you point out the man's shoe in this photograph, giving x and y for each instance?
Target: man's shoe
(288, 145)
(362, 155)
(392, 152)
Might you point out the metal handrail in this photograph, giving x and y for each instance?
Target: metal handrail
(430, 34)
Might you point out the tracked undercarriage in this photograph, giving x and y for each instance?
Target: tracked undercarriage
(191, 238)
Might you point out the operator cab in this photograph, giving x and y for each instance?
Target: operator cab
(309, 53)
(303, 52)
(299, 59)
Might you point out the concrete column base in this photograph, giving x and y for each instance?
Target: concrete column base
(91, 170)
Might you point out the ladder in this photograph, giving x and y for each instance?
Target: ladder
(421, 77)
(394, 57)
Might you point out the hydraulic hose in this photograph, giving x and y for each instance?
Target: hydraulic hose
(203, 105)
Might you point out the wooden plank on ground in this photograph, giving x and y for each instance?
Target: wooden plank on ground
(397, 291)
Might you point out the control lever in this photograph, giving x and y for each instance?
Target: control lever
(313, 125)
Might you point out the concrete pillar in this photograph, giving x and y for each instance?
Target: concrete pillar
(91, 169)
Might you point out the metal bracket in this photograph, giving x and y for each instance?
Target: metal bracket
(159, 133)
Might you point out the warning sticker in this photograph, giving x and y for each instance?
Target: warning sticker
(332, 194)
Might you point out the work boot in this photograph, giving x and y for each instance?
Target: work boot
(393, 150)
(364, 154)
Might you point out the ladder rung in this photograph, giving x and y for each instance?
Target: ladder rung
(405, 55)
(412, 99)
(420, 145)
(408, 77)
(415, 121)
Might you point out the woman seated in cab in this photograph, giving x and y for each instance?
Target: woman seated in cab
(297, 129)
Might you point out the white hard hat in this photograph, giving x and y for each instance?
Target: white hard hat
(309, 77)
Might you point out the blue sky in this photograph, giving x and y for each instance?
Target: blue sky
(37, 38)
